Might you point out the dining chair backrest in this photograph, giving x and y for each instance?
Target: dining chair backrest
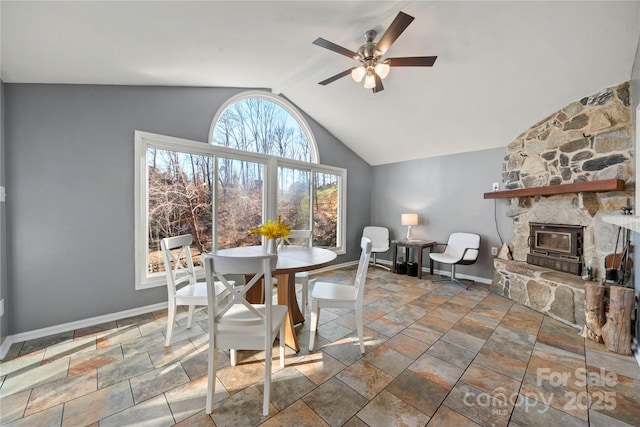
(363, 265)
(178, 262)
(235, 309)
(298, 238)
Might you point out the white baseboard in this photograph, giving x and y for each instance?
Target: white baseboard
(70, 326)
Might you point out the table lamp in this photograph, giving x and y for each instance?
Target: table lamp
(409, 219)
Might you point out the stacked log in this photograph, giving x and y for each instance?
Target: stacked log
(593, 312)
(617, 330)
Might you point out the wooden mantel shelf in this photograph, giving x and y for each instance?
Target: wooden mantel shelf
(578, 187)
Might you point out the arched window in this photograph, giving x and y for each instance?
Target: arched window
(263, 123)
(260, 162)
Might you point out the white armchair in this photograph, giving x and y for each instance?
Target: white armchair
(461, 249)
(379, 237)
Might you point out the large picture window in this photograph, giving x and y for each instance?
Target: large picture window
(216, 193)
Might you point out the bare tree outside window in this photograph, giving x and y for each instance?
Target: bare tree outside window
(179, 201)
(182, 185)
(261, 126)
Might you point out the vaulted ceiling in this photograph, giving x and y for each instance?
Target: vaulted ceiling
(502, 66)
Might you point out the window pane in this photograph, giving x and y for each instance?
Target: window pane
(294, 192)
(179, 202)
(239, 202)
(261, 126)
(325, 210)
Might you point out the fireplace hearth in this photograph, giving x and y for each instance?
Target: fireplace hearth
(556, 246)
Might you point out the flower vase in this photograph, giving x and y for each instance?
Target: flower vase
(272, 246)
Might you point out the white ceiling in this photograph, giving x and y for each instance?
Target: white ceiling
(502, 66)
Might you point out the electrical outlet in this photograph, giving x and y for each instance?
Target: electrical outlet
(495, 186)
(494, 251)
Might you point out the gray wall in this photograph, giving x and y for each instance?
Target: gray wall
(69, 170)
(447, 193)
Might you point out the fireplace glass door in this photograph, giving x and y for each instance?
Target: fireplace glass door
(555, 242)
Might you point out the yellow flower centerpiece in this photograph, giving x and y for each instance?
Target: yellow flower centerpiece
(272, 231)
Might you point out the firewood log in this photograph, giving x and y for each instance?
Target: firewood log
(593, 312)
(617, 330)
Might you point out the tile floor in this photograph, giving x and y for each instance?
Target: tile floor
(436, 355)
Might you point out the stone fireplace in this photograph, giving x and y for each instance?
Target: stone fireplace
(589, 140)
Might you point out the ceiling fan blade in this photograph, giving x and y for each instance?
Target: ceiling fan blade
(378, 87)
(399, 24)
(336, 48)
(412, 61)
(336, 77)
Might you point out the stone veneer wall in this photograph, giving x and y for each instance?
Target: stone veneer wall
(590, 139)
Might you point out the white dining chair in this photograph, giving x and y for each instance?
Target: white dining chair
(337, 295)
(182, 285)
(236, 324)
(300, 238)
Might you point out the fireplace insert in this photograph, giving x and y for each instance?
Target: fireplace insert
(556, 246)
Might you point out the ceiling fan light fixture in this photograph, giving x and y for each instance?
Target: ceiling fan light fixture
(369, 80)
(358, 73)
(382, 69)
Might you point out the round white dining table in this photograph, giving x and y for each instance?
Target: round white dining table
(291, 260)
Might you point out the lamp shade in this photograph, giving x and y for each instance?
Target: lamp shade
(358, 73)
(382, 69)
(410, 219)
(369, 80)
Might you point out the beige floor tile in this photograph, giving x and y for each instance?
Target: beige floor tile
(529, 412)
(60, 391)
(298, 414)
(478, 406)
(407, 345)
(451, 353)
(447, 417)
(12, 407)
(489, 381)
(287, 386)
(420, 392)
(95, 406)
(94, 359)
(386, 410)
(388, 359)
(365, 378)
(34, 376)
(335, 402)
(190, 398)
(153, 413)
(440, 372)
(51, 417)
(241, 409)
(155, 382)
(422, 332)
(319, 367)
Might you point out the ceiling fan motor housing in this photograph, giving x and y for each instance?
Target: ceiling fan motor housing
(369, 50)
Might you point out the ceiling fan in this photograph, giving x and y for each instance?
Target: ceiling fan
(373, 68)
